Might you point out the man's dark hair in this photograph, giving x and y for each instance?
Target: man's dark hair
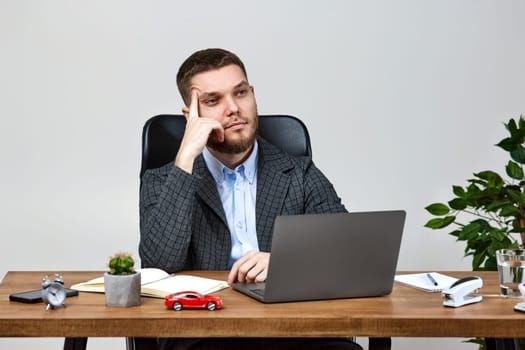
(203, 61)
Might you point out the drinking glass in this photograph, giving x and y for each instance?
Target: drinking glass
(511, 268)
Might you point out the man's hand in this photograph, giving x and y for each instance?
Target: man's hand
(198, 130)
(252, 267)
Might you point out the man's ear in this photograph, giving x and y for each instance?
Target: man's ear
(186, 112)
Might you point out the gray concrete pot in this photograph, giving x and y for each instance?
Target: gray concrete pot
(122, 290)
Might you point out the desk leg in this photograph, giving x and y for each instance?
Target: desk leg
(379, 343)
(502, 344)
(141, 343)
(75, 343)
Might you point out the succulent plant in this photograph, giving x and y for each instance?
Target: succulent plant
(121, 264)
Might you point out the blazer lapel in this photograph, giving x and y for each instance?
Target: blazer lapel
(207, 190)
(272, 188)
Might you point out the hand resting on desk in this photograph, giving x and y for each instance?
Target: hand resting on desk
(252, 267)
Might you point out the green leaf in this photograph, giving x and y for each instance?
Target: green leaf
(517, 132)
(509, 210)
(477, 260)
(469, 231)
(516, 195)
(455, 233)
(483, 224)
(512, 127)
(472, 188)
(458, 204)
(458, 191)
(507, 144)
(518, 154)
(498, 235)
(514, 170)
(490, 264)
(521, 123)
(491, 177)
(497, 205)
(438, 209)
(438, 223)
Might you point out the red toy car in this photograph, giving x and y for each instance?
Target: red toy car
(192, 300)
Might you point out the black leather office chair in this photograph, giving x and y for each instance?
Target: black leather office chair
(161, 138)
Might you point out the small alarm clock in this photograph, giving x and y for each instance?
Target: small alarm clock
(53, 291)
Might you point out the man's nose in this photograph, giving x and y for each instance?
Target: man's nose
(232, 107)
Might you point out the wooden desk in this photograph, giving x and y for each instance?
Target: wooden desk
(407, 312)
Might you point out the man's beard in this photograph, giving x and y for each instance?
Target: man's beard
(233, 147)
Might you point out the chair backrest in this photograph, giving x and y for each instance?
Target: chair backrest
(162, 134)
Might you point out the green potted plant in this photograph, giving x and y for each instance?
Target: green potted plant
(122, 283)
(489, 212)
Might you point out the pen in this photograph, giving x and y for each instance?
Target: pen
(432, 279)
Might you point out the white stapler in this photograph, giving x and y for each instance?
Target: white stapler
(462, 292)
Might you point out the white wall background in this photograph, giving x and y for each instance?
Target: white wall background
(402, 99)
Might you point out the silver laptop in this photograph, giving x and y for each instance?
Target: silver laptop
(330, 256)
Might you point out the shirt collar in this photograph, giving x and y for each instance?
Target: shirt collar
(217, 169)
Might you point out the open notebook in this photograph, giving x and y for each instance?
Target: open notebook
(158, 283)
(423, 281)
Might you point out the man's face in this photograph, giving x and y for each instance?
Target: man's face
(226, 96)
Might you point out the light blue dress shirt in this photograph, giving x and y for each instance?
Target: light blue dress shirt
(237, 189)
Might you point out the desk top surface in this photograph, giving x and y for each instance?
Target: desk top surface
(405, 312)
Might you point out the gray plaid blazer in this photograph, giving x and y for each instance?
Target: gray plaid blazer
(182, 221)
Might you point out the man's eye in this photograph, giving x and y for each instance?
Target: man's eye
(210, 101)
(242, 92)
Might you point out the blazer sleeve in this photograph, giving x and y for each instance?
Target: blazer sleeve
(320, 194)
(166, 200)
